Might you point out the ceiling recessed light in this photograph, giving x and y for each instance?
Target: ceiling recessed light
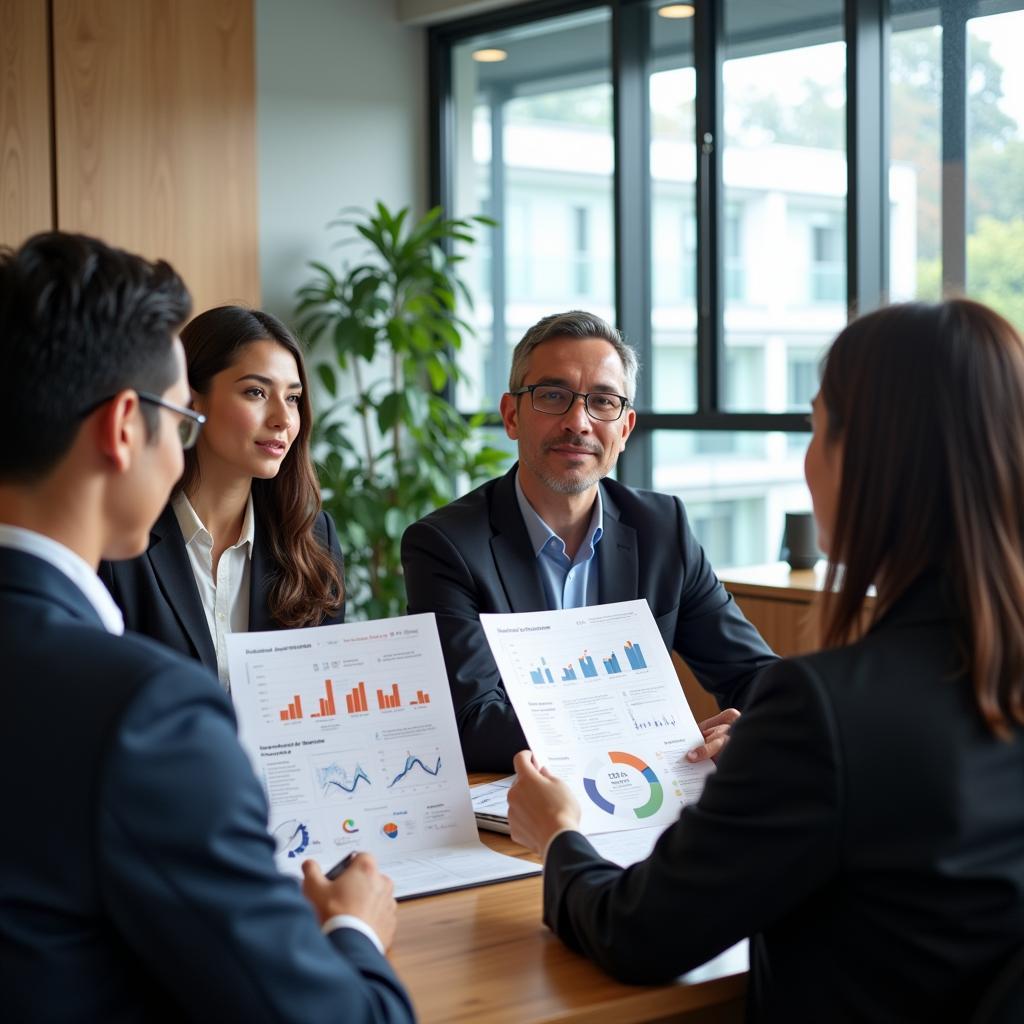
(490, 56)
(676, 11)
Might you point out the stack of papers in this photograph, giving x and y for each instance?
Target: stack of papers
(490, 804)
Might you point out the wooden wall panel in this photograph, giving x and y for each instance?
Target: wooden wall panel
(26, 158)
(156, 135)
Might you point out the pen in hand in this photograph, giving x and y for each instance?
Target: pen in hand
(339, 868)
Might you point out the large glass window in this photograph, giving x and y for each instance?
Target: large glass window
(737, 488)
(995, 163)
(784, 181)
(915, 148)
(673, 219)
(544, 138)
(533, 149)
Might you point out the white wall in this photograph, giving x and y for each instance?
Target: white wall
(341, 90)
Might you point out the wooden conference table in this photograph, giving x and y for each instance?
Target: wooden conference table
(483, 955)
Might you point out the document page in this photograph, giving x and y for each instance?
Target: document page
(490, 804)
(599, 700)
(351, 730)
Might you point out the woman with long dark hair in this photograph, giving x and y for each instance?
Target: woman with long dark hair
(244, 544)
(865, 826)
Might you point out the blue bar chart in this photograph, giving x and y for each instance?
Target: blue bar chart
(611, 665)
(541, 674)
(634, 655)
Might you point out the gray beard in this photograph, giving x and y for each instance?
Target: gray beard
(576, 483)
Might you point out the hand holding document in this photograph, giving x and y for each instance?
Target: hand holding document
(600, 703)
(351, 730)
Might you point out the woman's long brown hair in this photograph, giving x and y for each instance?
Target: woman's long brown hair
(928, 402)
(309, 586)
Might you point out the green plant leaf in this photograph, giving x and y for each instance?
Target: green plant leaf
(390, 409)
(328, 378)
(403, 297)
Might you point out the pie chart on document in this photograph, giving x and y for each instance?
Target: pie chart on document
(624, 785)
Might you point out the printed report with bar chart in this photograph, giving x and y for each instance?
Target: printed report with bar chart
(601, 705)
(351, 730)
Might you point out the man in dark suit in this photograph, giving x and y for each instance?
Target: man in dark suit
(137, 880)
(554, 533)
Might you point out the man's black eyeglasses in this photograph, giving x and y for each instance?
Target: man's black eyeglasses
(189, 425)
(556, 401)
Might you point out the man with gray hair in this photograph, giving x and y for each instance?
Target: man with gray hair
(555, 533)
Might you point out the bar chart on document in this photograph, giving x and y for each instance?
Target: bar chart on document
(599, 700)
(351, 730)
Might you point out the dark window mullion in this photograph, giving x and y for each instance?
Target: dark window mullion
(954, 147)
(708, 45)
(630, 85)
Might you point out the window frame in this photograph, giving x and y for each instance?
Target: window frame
(866, 34)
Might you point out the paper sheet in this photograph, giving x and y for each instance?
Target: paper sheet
(351, 730)
(599, 700)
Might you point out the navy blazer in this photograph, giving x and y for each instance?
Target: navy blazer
(863, 826)
(475, 556)
(159, 598)
(137, 879)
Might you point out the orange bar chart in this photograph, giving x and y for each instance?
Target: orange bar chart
(392, 700)
(421, 697)
(293, 711)
(356, 700)
(327, 708)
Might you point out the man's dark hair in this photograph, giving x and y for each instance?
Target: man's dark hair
(79, 322)
(574, 324)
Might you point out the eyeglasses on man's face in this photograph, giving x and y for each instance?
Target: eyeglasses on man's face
(557, 401)
(190, 423)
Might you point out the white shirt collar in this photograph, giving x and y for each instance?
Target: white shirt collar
(191, 525)
(72, 565)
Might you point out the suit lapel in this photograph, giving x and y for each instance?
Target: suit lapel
(510, 546)
(173, 571)
(261, 571)
(617, 557)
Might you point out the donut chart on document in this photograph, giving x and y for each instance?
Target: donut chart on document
(606, 767)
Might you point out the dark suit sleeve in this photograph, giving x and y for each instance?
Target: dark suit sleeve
(438, 580)
(326, 533)
(712, 635)
(188, 878)
(763, 837)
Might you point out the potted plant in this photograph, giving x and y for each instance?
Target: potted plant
(391, 446)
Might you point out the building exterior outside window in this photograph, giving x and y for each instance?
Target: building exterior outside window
(534, 145)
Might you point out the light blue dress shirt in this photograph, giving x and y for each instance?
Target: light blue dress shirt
(568, 583)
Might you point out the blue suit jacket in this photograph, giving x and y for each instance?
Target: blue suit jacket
(475, 556)
(137, 880)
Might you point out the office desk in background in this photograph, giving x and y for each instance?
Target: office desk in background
(779, 601)
(483, 955)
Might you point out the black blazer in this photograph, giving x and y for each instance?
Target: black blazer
(475, 556)
(137, 878)
(863, 826)
(158, 595)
